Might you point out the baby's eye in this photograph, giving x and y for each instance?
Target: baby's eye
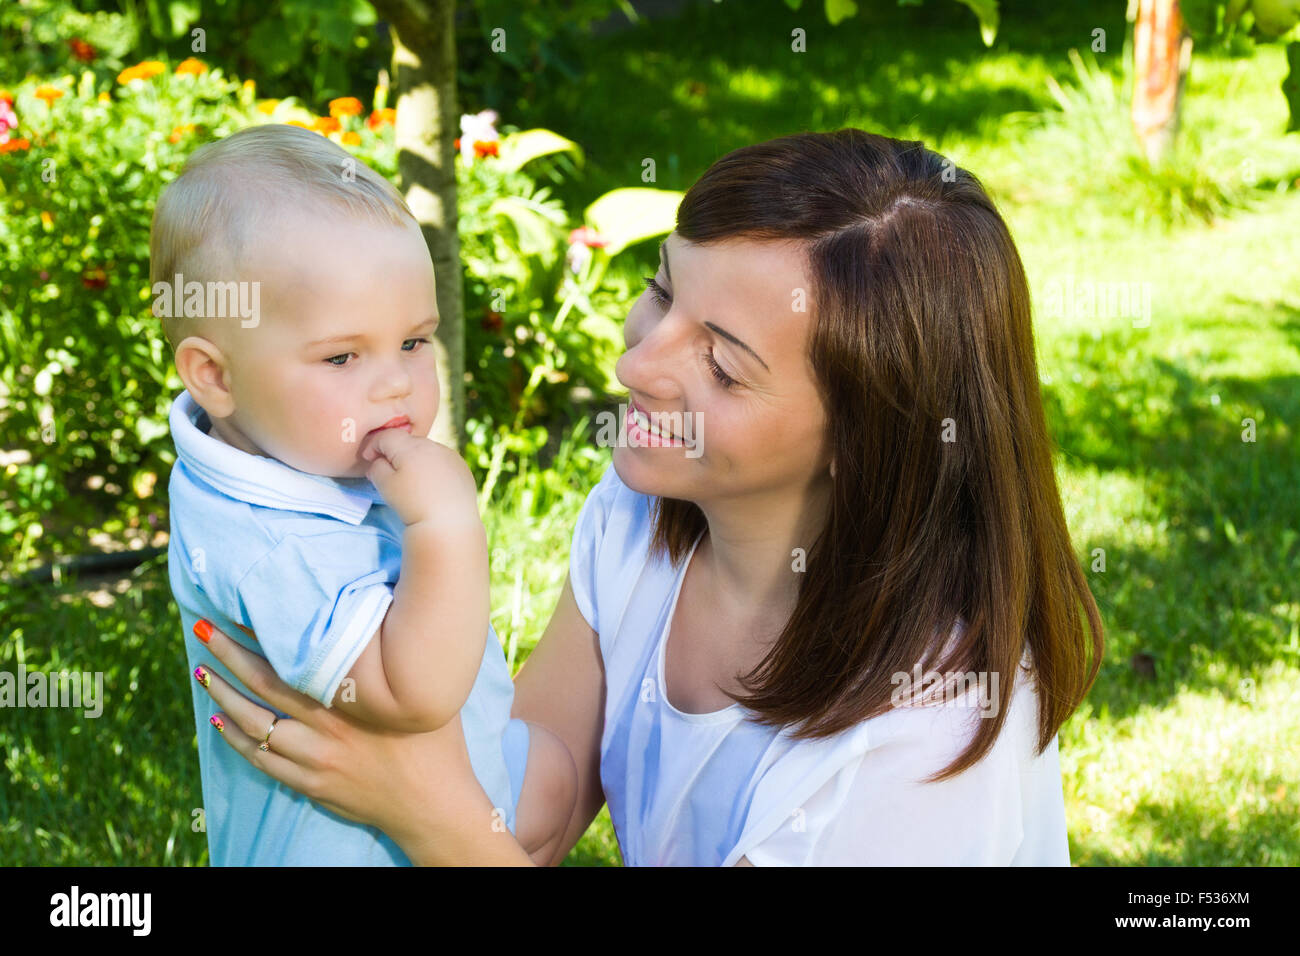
(417, 342)
(338, 361)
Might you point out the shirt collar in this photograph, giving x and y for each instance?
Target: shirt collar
(259, 480)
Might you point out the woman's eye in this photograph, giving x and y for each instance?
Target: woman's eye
(723, 378)
(339, 361)
(657, 291)
(417, 344)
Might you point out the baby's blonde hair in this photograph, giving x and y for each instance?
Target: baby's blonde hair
(229, 189)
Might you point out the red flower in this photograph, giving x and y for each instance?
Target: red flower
(82, 50)
(94, 278)
(588, 237)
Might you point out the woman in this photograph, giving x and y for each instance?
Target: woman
(824, 607)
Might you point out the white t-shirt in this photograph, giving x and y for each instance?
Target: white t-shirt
(706, 789)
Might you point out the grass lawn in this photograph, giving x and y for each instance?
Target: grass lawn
(1199, 530)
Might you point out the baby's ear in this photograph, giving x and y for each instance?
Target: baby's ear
(202, 367)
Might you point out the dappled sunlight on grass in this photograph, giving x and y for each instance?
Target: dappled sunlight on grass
(1209, 778)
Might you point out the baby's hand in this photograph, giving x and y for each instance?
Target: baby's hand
(423, 481)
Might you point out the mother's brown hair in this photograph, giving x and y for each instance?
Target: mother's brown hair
(944, 500)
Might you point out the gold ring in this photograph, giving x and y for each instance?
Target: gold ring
(265, 745)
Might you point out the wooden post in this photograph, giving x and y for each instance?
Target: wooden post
(1162, 54)
(428, 122)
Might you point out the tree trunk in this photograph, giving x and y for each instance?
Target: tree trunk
(428, 121)
(1162, 54)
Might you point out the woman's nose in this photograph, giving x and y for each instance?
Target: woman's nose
(653, 363)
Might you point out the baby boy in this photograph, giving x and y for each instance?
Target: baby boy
(308, 507)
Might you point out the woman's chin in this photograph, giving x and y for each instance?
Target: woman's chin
(648, 474)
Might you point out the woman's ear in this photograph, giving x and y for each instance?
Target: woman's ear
(202, 367)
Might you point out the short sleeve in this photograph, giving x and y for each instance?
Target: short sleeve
(314, 603)
(584, 552)
(876, 811)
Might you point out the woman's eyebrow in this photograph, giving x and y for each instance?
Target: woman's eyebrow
(731, 338)
(663, 257)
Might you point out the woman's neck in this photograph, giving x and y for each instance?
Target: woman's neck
(756, 548)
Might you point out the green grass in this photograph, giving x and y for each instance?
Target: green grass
(1200, 530)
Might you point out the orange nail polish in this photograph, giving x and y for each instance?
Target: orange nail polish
(203, 630)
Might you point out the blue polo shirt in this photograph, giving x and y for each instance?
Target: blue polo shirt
(309, 564)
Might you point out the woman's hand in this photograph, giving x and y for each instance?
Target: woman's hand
(420, 789)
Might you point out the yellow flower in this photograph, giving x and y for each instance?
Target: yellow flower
(46, 219)
(267, 107)
(345, 106)
(141, 71)
(351, 139)
(192, 66)
(297, 123)
(104, 97)
(48, 93)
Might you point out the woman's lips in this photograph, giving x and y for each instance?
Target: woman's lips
(640, 437)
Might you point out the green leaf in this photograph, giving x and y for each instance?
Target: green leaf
(839, 10)
(987, 11)
(146, 429)
(1291, 86)
(182, 13)
(625, 216)
(535, 229)
(518, 149)
(1274, 19)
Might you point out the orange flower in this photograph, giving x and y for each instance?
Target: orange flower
(351, 139)
(6, 97)
(379, 117)
(297, 123)
(141, 71)
(489, 148)
(48, 93)
(325, 125)
(47, 219)
(191, 66)
(104, 97)
(15, 146)
(180, 132)
(345, 106)
(267, 107)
